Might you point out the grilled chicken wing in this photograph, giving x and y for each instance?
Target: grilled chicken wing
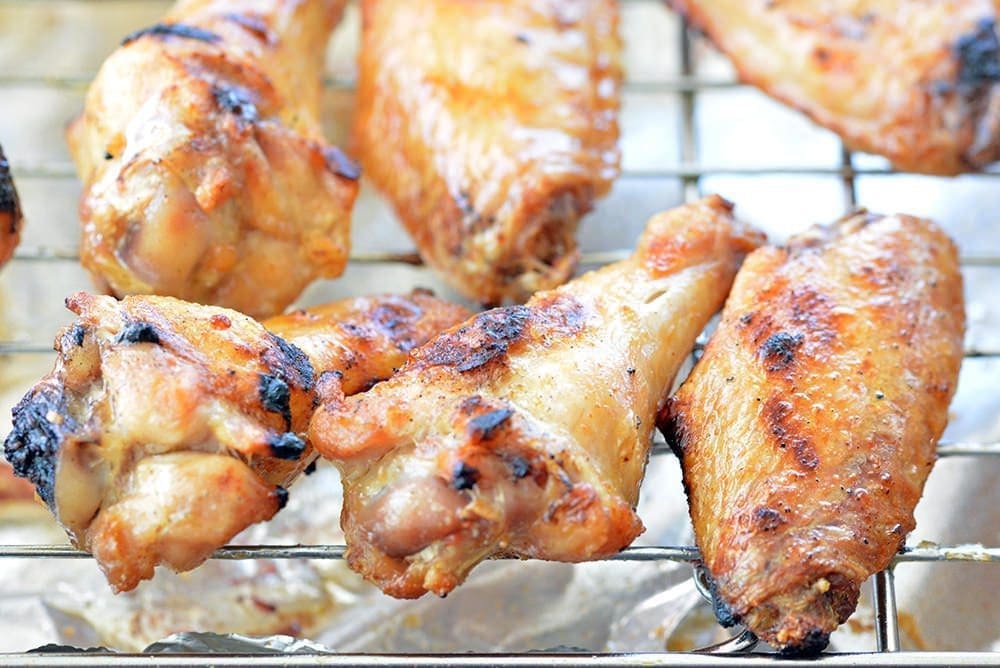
(167, 427)
(525, 431)
(205, 173)
(915, 81)
(10, 212)
(809, 426)
(492, 127)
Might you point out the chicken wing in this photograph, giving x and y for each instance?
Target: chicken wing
(167, 427)
(915, 81)
(205, 172)
(492, 127)
(525, 431)
(10, 212)
(809, 426)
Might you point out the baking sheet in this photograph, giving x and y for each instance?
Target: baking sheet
(49, 49)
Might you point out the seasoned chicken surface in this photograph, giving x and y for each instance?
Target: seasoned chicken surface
(491, 126)
(525, 431)
(809, 426)
(917, 81)
(167, 427)
(205, 172)
(10, 212)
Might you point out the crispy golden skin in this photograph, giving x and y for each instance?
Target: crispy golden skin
(205, 172)
(491, 126)
(809, 426)
(10, 212)
(917, 81)
(168, 427)
(525, 430)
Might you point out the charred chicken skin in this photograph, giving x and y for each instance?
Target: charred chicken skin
(205, 173)
(491, 126)
(10, 212)
(168, 427)
(915, 81)
(809, 426)
(525, 431)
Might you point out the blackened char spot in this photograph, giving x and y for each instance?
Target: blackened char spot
(236, 101)
(282, 495)
(767, 519)
(286, 446)
(138, 332)
(778, 351)
(172, 30)
(9, 202)
(519, 467)
(464, 476)
(292, 364)
(814, 642)
(979, 54)
(778, 418)
(77, 334)
(32, 447)
(723, 613)
(483, 426)
(275, 396)
(311, 468)
(338, 163)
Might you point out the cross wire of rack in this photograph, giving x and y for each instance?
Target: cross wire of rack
(690, 171)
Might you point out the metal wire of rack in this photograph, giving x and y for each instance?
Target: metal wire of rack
(690, 171)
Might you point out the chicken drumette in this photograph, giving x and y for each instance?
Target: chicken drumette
(167, 427)
(205, 173)
(809, 426)
(492, 127)
(525, 431)
(918, 82)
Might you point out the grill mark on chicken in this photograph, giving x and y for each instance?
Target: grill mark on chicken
(172, 30)
(979, 54)
(784, 426)
(275, 396)
(464, 476)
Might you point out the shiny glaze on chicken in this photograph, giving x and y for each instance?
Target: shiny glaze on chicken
(809, 426)
(525, 431)
(917, 81)
(491, 126)
(205, 172)
(167, 427)
(10, 212)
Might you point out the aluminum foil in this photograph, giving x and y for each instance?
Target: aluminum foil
(505, 606)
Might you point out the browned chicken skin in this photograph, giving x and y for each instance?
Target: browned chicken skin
(10, 212)
(917, 81)
(525, 431)
(491, 126)
(809, 426)
(205, 172)
(168, 427)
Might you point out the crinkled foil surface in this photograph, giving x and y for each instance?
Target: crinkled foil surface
(47, 47)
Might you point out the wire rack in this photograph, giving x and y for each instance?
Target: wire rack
(691, 171)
